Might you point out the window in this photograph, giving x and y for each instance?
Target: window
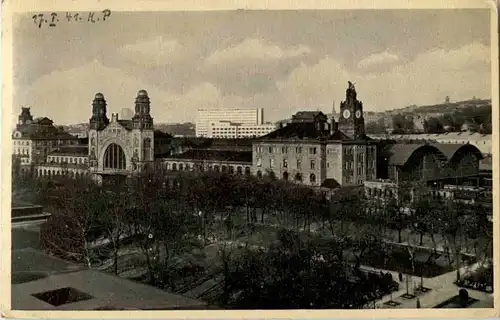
(284, 149)
(299, 164)
(239, 170)
(146, 150)
(259, 162)
(285, 176)
(313, 164)
(174, 166)
(328, 164)
(312, 150)
(298, 177)
(270, 149)
(312, 178)
(181, 166)
(285, 163)
(259, 174)
(298, 149)
(216, 168)
(271, 163)
(346, 165)
(247, 171)
(114, 157)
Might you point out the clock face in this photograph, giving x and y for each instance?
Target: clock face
(358, 114)
(347, 114)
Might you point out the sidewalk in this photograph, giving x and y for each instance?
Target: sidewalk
(442, 287)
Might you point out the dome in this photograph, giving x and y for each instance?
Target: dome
(99, 95)
(142, 93)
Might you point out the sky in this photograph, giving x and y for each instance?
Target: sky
(282, 61)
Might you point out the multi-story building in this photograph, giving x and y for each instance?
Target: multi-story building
(115, 147)
(34, 139)
(120, 147)
(232, 130)
(314, 152)
(242, 116)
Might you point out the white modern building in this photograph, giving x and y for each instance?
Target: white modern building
(241, 116)
(232, 130)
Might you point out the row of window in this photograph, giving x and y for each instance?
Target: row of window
(22, 142)
(22, 151)
(63, 159)
(284, 150)
(286, 176)
(200, 167)
(272, 164)
(59, 172)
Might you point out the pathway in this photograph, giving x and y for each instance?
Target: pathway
(442, 287)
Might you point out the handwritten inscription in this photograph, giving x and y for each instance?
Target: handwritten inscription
(54, 18)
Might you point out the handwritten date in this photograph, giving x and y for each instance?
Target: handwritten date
(55, 17)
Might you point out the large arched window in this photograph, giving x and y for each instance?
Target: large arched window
(114, 157)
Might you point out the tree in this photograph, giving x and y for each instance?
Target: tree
(74, 224)
(376, 127)
(433, 125)
(402, 124)
(113, 221)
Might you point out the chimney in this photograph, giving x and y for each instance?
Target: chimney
(114, 117)
(333, 126)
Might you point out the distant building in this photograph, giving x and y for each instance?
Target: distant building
(232, 130)
(242, 116)
(34, 139)
(317, 152)
(126, 113)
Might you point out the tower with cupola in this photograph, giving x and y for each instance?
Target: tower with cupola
(142, 131)
(25, 118)
(97, 122)
(351, 120)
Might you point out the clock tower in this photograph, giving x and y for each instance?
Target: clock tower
(351, 120)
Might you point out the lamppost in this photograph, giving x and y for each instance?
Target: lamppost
(203, 229)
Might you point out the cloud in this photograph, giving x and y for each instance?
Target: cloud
(378, 59)
(67, 95)
(155, 52)
(460, 73)
(255, 49)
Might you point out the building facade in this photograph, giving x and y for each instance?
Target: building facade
(317, 152)
(242, 116)
(34, 139)
(232, 130)
(120, 147)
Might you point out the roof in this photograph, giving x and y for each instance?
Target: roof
(450, 150)
(105, 291)
(302, 130)
(30, 260)
(44, 132)
(160, 134)
(307, 115)
(127, 124)
(71, 151)
(400, 153)
(215, 155)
